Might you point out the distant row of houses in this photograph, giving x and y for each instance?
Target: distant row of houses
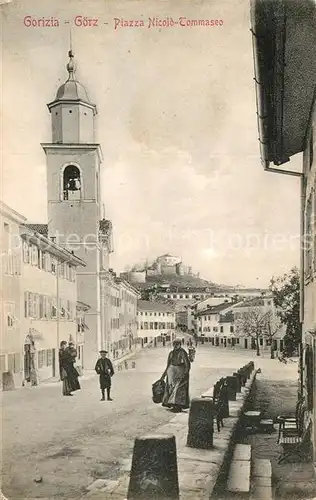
(223, 322)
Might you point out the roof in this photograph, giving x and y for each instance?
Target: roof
(284, 40)
(12, 214)
(127, 284)
(255, 302)
(39, 228)
(148, 305)
(46, 244)
(215, 309)
(72, 90)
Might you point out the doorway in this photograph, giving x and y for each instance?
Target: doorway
(29, 371)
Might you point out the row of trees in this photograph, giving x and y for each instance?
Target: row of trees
(258, 322)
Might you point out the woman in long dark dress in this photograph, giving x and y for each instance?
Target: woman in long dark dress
(68, 373)
(176, 394)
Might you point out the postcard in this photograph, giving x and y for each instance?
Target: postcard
(158, 250)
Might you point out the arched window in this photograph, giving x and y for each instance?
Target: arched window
(72, 183)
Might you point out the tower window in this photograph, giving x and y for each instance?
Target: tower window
(72, 183)
(70, 111)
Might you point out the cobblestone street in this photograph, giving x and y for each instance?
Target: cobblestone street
(69, 442)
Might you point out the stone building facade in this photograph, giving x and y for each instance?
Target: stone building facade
(284, 40)
(39, 300)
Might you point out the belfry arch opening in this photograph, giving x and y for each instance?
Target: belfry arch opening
(72, 183)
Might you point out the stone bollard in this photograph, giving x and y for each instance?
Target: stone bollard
(7, 381)
(225, 404)
(154, 472)
(243, 377)
(231, 387)
(238, 379)
(201, 418)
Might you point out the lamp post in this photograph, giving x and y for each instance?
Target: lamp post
(57, 319)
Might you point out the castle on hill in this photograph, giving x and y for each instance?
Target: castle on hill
(163, 266)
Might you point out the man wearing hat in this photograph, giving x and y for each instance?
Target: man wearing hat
(104, 369)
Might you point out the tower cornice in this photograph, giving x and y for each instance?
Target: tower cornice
(56, 102)
(51, 146)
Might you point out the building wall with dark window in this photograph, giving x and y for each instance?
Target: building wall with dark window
(309, 242)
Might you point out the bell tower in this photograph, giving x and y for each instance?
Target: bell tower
(73, 161)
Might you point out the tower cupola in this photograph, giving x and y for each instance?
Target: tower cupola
(72, 112)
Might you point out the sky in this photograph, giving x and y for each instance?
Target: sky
(177, 125)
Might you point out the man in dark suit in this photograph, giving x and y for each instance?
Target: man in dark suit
(104, 369)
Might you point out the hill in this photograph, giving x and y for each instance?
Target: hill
(180, 282)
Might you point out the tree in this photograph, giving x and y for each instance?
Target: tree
(286, 296)
(273, 326)
(253, 323)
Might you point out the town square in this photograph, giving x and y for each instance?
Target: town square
(158, 250)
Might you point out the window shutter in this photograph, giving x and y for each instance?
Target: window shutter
(17, 263)
(26, 305)
(43, 258)
(53, 265)
(26, 253)
(30, 305)
(62, 269)
(49, 307)
(35, 305)
(48, 263)
(33, 255)
(39, 258)
(41, 308)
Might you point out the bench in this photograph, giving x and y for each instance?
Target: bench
(295, 434)
(220, 400)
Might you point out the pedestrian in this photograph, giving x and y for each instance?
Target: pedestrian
(104, 369)
(72, 350)
(176, 394)
(68, 373)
